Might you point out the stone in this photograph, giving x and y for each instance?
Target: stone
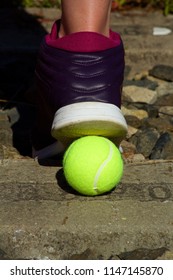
(152, 110)
(145, 83)
(166, 111)
(140, 76)
(133, 158)
(138, 158)
(139, 114)
(145, 140)
(164, 72)
(131, 131)
(139, 94)
(163, 148)
(133, 121)
(165, 89)
(166, 100)
(128, 147)
(161, 124)
(156, 80)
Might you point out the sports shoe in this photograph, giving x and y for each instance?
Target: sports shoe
(79, 81)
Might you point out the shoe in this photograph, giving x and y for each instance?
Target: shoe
(79, 83)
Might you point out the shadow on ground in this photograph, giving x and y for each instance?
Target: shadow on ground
(21, 34)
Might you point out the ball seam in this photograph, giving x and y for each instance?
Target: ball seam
(102, 166)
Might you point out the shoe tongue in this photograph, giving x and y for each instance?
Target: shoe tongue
(82, 41)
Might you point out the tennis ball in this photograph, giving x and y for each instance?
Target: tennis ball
(92, 165)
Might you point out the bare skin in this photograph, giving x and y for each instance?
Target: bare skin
(85, 15)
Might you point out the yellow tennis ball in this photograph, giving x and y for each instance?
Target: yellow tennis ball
(92, 165)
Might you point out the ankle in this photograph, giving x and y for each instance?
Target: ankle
(63, 31)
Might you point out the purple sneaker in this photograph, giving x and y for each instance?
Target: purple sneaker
(79, 81)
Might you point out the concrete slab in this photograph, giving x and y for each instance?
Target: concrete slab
(42, 218)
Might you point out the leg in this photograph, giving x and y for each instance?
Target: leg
(85, 15)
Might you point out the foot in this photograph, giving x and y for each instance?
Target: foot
(79, 81)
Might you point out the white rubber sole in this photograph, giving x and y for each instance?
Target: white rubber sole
(82, 119)
(89, 118)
